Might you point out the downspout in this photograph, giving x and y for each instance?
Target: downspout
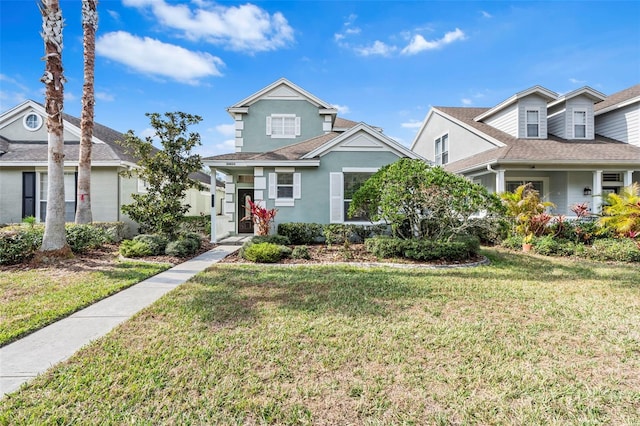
(499, 178)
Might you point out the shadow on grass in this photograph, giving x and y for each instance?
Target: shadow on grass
(232, 294)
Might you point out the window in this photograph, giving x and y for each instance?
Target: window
(533, 123)
(32, 121)
(353, 182)
(512, 185)
(285, 185)
(283, 126)
(442, 150)
(579, 124)
(69, 196)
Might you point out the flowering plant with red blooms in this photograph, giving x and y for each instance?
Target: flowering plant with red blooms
(261, 216)
(581, 210)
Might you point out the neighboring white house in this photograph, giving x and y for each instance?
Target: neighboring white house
(23, 169)
(573, 148)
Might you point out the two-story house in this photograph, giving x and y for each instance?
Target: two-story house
(573, 148)
(294, 153)
(23, 169)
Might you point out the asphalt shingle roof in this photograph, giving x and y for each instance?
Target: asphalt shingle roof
(550, 150)
(618, 97)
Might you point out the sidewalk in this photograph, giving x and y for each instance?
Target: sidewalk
(24, 359)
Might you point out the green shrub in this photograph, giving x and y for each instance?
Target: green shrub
(513, 242)
(182, 247)
(301, 252)
(621, 250)
(301, 233)
(194, 237)
(19, 244)
(273, 239)
(131, 248)
(116, 231)
(427, 250)
(363, 232)
(285, 252)
(384, 247)
(84, 237)
(263, 253)
(551, 246)
(490, 230)
(156, 242)
(198, 224)
(336, 233)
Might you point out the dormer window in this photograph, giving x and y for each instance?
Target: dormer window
(442, 150)
(283, 126)
(533, 123)
(579, 124)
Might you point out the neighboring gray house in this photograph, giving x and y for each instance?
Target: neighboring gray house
(23, 169)
(573, 148)
(294, 154)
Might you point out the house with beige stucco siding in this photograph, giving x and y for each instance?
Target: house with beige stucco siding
(574, 148)
(23, 169)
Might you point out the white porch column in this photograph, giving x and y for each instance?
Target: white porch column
(627, 177)
(597, 192)
(213, 190)
(259, 184)
(500, 182)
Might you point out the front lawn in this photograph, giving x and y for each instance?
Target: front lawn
(33, 298)
(525, 340)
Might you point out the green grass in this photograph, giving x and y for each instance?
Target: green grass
(32, 299)
(526, 340)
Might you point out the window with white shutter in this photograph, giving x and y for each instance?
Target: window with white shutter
(283, 126)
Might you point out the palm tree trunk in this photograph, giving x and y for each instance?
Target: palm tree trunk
(89, 26)
(54, 238)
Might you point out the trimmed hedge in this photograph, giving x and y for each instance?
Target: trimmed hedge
(301, 233)
(131, 248)
(263, 253)
(156, 242)
(620, 250)
(301, 252)
(425, 250)
(116, 231)
(85, 237)
(198, 224)
(19, 244)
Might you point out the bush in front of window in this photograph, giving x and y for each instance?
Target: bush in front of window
(85, 237)
(461, 248)
(18, 244)
(300, 233)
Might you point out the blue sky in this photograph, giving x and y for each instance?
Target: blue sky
(381, 62)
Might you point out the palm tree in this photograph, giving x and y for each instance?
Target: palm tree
(622, 212)
(54, 239)
(89, 26)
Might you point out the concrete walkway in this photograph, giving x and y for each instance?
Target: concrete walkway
(24, 359)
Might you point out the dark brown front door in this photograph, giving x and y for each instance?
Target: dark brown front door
(244, 226)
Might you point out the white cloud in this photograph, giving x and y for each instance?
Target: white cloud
(377, 48)
(342, 109)
(466, 101)
(419, 43)
(411, 124)
(153, 57)
(103, 96)
(228, 130)
(576, 81)
(148, 133)
(486, 14)
(69, 96)
(241, 28)
(114, 15)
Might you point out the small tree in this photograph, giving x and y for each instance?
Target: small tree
(165, 172)
(422, 201)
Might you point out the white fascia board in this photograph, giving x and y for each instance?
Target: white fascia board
(259, 94)
(260, 163)
(66, 164)
(328, 111)
(423, 126)
(472, 129)
(586, 90)
(545, 93)
(393, 145)
(618, 105)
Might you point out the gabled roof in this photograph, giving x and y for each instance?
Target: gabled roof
(587, 91)
(286, 88)
(553, 150)
(538, 90)
(310, 150)
(362, 127)
(618, 100)
(105, 150)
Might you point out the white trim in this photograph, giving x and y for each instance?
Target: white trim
(297, 186)
(336, 199)
(544, 180)
(539, 90)
(527, 110)
(284, 202)
(39, 120)
(573, 122)
(282, 117)
(258, 171)
(285, 169)
(591, 93)
(360, 169)
(222, 164)
(241, 106)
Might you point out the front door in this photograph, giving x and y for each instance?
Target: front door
(244, 226)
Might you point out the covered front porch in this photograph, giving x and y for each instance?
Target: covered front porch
(563, 187)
